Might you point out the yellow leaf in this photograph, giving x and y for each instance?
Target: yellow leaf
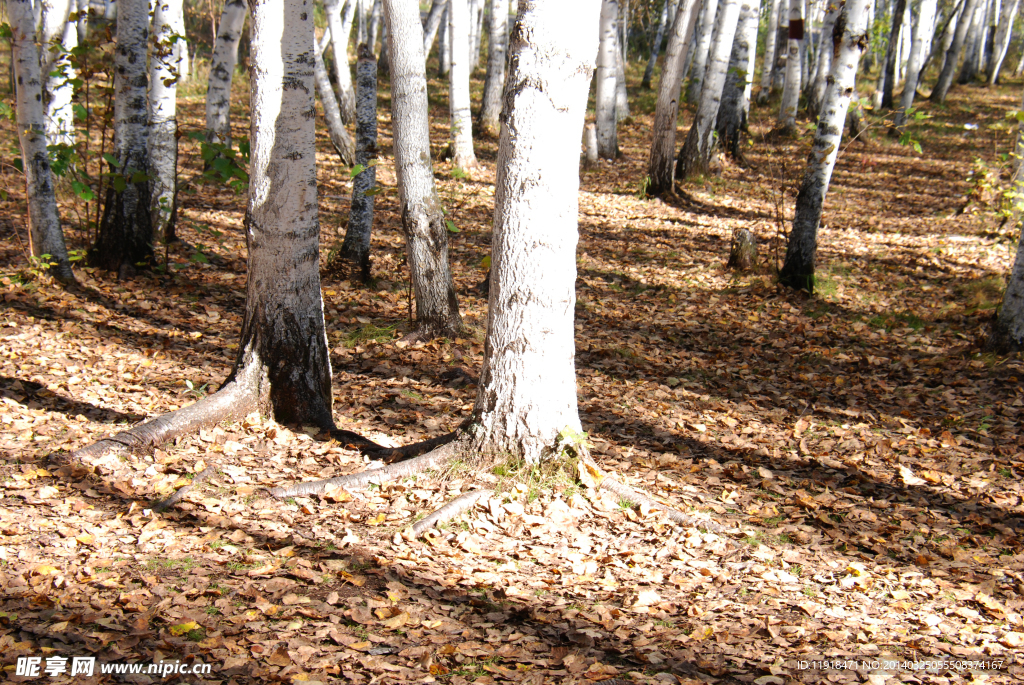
(376, 520)
(183, 628)
(590, 475)
(85, 539)
(45, 570)
(396, 622)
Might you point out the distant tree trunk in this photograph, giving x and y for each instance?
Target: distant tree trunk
(696, 151)
(973, 43)
(57, 29)
(222, 70)
(356, 246)
(798, 269)
(1001, 41)
(109, 10)
(83, 20)
(791, 91)
(45, 234)
(497, 34)
(126, 230)
(1007, 333)
(458, 92)
(925, 19)
(778, 73)
(604, 103)
(164, 63)
(769, 52)
(340, 138)
(341, 31)
(434, 22)
(816, 92)
(371, 40)
(888, 76)
(382, 61)
(527, 390)
(621, 94)
(732, 114)
(475, 33)
(666, 112)
(659, 36)
(701, 48)
(945, 81)
(426, 234)
(444, 51)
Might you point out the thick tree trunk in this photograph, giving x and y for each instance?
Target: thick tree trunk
(526, 400)
(340, 138)
(701, 48)
(791, 91)
(666, 112)
(659, 36)
(770, 46)
(826, 49)
(341, 30)
(356, 246)
(222, 71)
(1001, 42)
(426, 235)
(60, 36)
(973, 43)
(497, 35)
(126, 231)
(604, 103)
(945, 81)
(458, 86)
(696, 151)
(434, 22)
(45, 234)
(732, 114)
(888, 76)
(164, 63)
(798, 269)
(1008, 330)
(922, 29)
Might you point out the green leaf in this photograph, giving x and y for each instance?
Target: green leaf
(373, 191)
(18, 164)
(356, 170)
(111, 160)
(119, 183)
(139, 177)
(451, 226)
(485, 263)
(83, 191)
(81, 113)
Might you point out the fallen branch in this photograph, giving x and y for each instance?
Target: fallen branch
(182, 491)
(456, 507)
(627, 493)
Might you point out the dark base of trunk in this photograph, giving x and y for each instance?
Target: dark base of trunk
(798, 279)
(125, 242)
(999, 340)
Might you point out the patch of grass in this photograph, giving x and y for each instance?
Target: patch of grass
(982, 293)
(197, 635)
(556, 474)
(183, 564)
(370, 333)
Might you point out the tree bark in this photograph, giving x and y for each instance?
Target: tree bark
(426, 235)
(222, 71)
(458, 80)
(621, 94)
(826, 48)
(83, 20)
(702, 47)
(434, 21)
(666, 112)
(791, 91)
(60, 37)
(340, 138)
(1008, 329)
(696, 151)
(659, 36)
(45, 234)
(356, 246)
(604, 103)
(888, 75)
(973, 44)
(164, 64)
(126, 231)
(341, 31)
(945, 81)
(371, 39)
(798, 269)
(1001, 42)
(444, 49)
(732, 114)
(770, 46)
(527, 392)
(922, 29)
(494, 83)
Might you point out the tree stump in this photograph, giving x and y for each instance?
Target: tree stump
(590, 144)
(743, 251)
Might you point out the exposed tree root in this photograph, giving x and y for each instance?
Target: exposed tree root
(676, 516)
(181, 492)
(355, 441)
(456, 507)
(390, 455)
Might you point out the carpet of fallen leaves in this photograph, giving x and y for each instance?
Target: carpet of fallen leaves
(863, 456)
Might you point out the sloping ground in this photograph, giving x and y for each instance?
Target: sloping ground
(864, 458)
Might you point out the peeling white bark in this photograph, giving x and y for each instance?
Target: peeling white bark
(164, 65)
(605, 100)
(458, 81)
(222, 70)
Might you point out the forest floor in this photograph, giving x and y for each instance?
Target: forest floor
(864, 457)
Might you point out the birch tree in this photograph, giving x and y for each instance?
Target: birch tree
(1007, 333)
(222, 71)
(126, 231)
(164, 74)
(341, 31)
(973, 42)
(494, 83)
(666, 15)
(356, 246)
(798, 269)
(696, 151)
(458, 86)
(770, 48)
(46, 238)
(791, 90)
(945, 80)
(604, 102)
(732, 114)
(434, 21)
(888, 76)
(922, 32)
(59, 37)
(340, 138)
(1001, 40)
(426, 234)
(702, 48)
(823, 66)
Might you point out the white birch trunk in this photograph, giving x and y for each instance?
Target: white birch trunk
(922, 29)
(341, 31)
(696, 151)
(371, 40)
(222, 71)
(823, 67)
(494, 83)
(426, 235)
(1008, 331)
(434, 21)
(60, 36)
(527, 390)
(666, 112)
(164, 64)
(665, 17)
(702, 48)
(475, 9)
(798, 269)
(973, 43)
(1001, 42)
(952, 56)
(887, 77)
(906, 44)
(45, 234)
(356, 246)
(791, 91)
(340, 138)
(83, 20)
(604, 103)
(109, 10)
(444, 50)
(181, 48)
(458, 92)
(769, 52)
(621, 94)
(739, 79)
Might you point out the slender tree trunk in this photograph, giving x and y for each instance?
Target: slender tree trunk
(434, 22)
(732, 114)
(444, 54)
(791, 91)
(888, 76)
(701, 49)
(341, 31)
(823, 68)
(781, 46)
(126, 230)
(945, 81)
(798, 269)
(60, 37)
(45, 234)
(222, 70)
(458, 80)
(973, 43)
(666, 112)
(371, 41)
(356, 246)
(659, 36)
(163, 120)
(340, 138)
(770, 47)
(426, 235)
(1001, 42)
(621, 94)
(925, 19)
(475, 28)
(696, 151)
(526, 401)
(497, 35)
(607, 126)
(1007, 333)
(382, 61)
(83, 20)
